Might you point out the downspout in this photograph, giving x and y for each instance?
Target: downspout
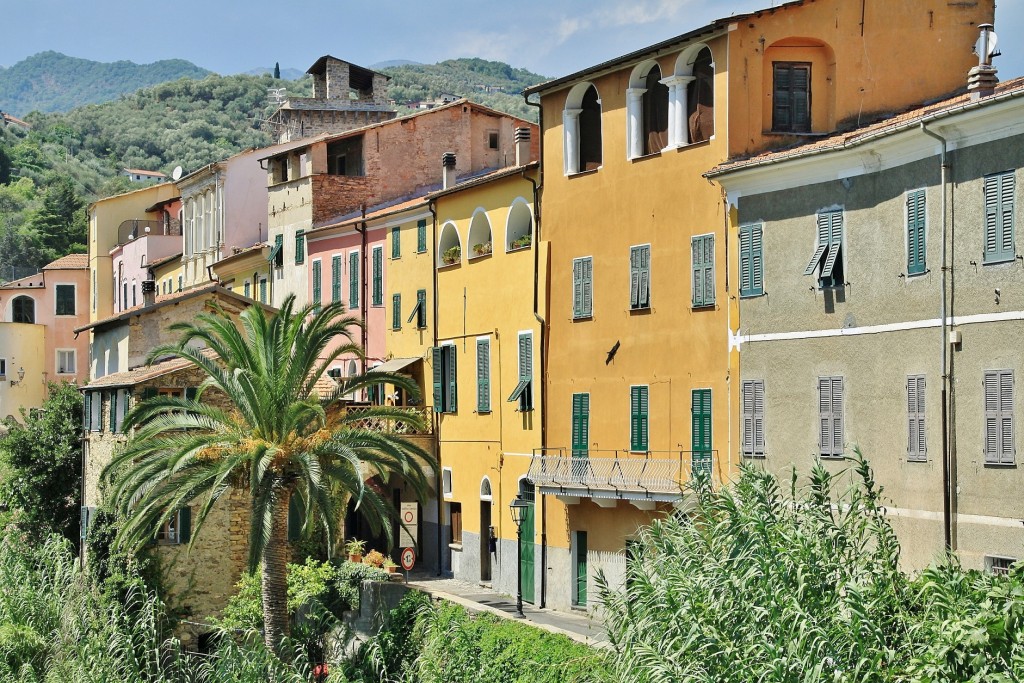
(947, 512)
(436, 417)
(366, 302)
(543, 339)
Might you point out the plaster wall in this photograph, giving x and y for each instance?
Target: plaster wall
(20, 344)
(130, 264)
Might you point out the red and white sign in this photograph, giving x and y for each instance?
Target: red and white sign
(408, 530)
(408, 559)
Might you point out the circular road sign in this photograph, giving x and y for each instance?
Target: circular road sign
(408, 558)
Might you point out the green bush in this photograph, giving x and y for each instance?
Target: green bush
(310, 583)
(350, 577)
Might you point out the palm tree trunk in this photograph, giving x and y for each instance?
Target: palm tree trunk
(275, 577)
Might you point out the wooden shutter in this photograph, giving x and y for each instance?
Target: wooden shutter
(421, 236)
(248, 289)
(634, 277)
(316, 284)
(437, 362)
(916, 445)
(191, 393)
(999, 189)
(526, 371)
(336, 279)
(185, 525)
(483, 376)
(452, 404)
(700, 430)
(638, 418)
(999, 403)
(421, 308)
(824, 237)
(915, 232)
(577, 288)
(758, 418)
(378, 276)
(751, 261)
(396, 242)
(588, 287)
(96, 420)
(791, 96)
(702, 250)
(838, 430)
(580, 424)
(353, 280)
(113, 412)
(300, 247)
(396, 311)
(825, 416)
(835, 220)
(645, 276)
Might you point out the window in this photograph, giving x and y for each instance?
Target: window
(66, 362)
(827, 259)
(65, 299)
(396, 242)
(277, 253)
(999, 449)
(830, 417)
(445, 384)
(638, 419)
(317, 284)
(263, 290)
(455, 510)
(177, 529)
(580, 425)
(523, 392)
(336, 279)
(492, 139)
(3, 368)
(421, 308)
(446, 481)
(23, 310)
(124, 295)
(916, 252)
(751, 261)
(180, 282)
(583, 287)
(791, 105)
(647, 107)
(300, 247)
(999, 190)
(135, 293)
(700, 430)
(582, 124)
(421, 236)
(700, 98)
(483, 375)
(95, 411)
(353, 279)
(1000, 566)
(752, 438)
(247, 289)
(640, 277)
(917, 448)
(345, 157)
(377, 291)
(396, 311)
(702, 253)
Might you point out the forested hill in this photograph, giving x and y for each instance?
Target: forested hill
(51, 81)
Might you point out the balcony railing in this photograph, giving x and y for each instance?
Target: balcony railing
(380, 424)
(659, 474)
(134, 228)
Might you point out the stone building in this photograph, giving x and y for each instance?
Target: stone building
(881, 306)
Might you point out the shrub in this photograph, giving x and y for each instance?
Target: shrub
(374, 558)
(350, 577)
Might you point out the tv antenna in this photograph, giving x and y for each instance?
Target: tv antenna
(277, 96)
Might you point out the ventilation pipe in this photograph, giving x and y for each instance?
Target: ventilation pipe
(148, 293)
(522, 140)
(448, 168)
(982, 80)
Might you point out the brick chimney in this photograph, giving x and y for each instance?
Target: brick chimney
(448, 169)
(982, 80)
(148, 293)
(522, 139)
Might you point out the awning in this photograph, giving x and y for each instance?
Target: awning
(394, 365)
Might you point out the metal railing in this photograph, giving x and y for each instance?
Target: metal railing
(653, 472)
(381, 424)
(134, 228)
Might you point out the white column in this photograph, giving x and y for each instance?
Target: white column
(634, 118)
(678, 129)
(571, 125)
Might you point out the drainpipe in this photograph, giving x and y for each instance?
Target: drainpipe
(436, 417)
(537, 187)
(947, 511)
(366, 303)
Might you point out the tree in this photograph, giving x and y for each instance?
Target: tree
(43, 458)
(276, 439)
(61, 221)
(277, 71)
(5, 167)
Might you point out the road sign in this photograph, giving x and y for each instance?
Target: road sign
(408, 559)
(409, 529)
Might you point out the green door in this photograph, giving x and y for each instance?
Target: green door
(581, 568)
(526, 554)
(700, 441)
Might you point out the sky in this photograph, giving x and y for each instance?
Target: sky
(549, 37)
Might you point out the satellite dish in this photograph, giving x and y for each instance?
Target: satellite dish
(176, 173)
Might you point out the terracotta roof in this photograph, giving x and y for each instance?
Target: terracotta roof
(487, 177)
(889, 125)
(382, 212)
(143, 373)
(165, 259)
(325, 386)
(241, 253)
(69, 262)
(16, 120)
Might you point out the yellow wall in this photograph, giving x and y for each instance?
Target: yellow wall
(239, 270)
(21, 345)
(167, 272)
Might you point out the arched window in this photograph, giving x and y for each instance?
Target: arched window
(527, 490)
(519, 227)
(647, 110)
(23, 310)
(479, 234)
(449, 247)
(582, 123)
(700, 98)
(485, 489)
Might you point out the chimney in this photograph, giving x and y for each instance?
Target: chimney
(522, 138)
(148, 293)
(448, 168)
(982, 80)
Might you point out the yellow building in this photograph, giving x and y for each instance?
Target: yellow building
(641, 374)
(247, 272)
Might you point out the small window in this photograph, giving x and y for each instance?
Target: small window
(830, 417)
(180, 282)
(791, 106)
(999, 566)
(638, 419)
(396, 311)
(999, 408)
(640, 277)
(916, 251)
(65, 299)
(492, 139)
(446, 481)
(177, 529)
(702, 255)
(23, 310)
(246, 288)
(523, 391)
(3, 368)
(752, 409)
(66, 364)
(455, 510)
(751, 261)
(827, 259)
(583, 288)
(396, 242)
(999, 190)
(917, 446)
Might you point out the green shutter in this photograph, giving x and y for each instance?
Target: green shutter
(191, 393)
(300, 247)
(335, 279)
(378, 276)
(87, 411)
(702, 253)
(263, 290)
(999, 190)
(751, 261)
(582, 287)
(483, 375)
(526, 372)
(276, 254)
(113, 412)
(452, 404)
(915, 232)
(316, 285)
(248, 289)
(353, 280)
(580, 425)
(185, 525)
(437, 361)
(638, 418)
(700, 425)
(421, 308)
(421, 236)
(396, 242)
(396, 311)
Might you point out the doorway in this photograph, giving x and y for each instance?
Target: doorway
(485, 540)
(579, 566)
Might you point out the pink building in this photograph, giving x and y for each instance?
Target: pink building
(140, 244)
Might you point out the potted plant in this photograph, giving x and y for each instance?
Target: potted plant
(390, 566)
(451, 255)
(374, 558)
(355, 549)
(482, 249)
(522, 242)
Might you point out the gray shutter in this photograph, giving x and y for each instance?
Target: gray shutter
(999, 432)
(759, 418)
(825, 416)
(746, 267)
(756, 260)
(588, 287)
(838, 435)
(577, 288)
(824, 233)
(483, 376)
(916, 435)
(1006, 404)
(645, 276)
(634, 277)
(87, 411)
(702, 253)
(747, 411)
(835, 242)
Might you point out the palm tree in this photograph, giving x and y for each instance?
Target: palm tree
(277, 439)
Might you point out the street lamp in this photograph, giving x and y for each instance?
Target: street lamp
(518, 507)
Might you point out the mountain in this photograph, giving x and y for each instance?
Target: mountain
(51, 81)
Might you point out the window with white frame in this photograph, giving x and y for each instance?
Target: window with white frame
(647, 111)
(581, 121)
(66, 362)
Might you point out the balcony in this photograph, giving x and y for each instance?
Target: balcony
(379, 424)
(134, 228)
(609, 476)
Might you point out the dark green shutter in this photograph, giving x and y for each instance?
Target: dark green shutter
(702, 251)
(421, 236)
(316, 285)
(336, 279)
(791, 98)
(353, 280)
(638, 422)
(915, 232)
(452, 405)
(300, 247)
(263, 290)
(396, 311)
(396, 242)
(113, 412)
(378, 276)
(999, 189)
(580, 425)
(437, 360)
(483, 376)
(700, 425)
(185, 524)
(421, 308)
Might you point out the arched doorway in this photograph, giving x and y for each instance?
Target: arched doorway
(486, 501)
